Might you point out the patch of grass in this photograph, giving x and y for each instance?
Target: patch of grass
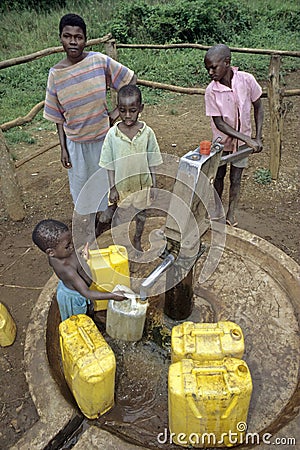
(262, 176)
(266, 24)
(13, 156)
(44, 125)
(18, 135)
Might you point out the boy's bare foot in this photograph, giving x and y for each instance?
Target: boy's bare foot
(230, 220)
(134, 266)
(107, 215)
(101, 228)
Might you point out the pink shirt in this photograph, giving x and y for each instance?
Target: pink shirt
(233, 105)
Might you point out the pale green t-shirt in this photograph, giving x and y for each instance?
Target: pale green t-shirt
(131, 159)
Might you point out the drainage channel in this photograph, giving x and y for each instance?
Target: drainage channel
(69, 435)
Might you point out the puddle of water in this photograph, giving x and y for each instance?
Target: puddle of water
(141, 397)
(246, 294)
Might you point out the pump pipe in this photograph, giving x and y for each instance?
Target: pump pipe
(243, 152)
(155, 275)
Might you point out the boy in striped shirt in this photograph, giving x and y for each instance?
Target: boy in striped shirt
(76, 102)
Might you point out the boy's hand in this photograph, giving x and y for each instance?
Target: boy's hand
(256, 144)
(113, 116)
(153, 194)
(85, 252)
(118, 296)
(259, 145)
(65, 159)
(113, 195)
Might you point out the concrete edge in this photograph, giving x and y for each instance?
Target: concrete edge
(53, 410)
(95, 438)
(287, 270)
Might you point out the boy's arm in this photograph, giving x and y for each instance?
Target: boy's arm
(258, 118)
(153, 175)
(74, 280)
(113, 193)
(227, 129)
(153, 192)
(65, 159)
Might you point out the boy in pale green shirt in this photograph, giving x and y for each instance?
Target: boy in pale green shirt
(130, 154)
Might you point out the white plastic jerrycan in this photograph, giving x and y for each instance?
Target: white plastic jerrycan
(125, 320)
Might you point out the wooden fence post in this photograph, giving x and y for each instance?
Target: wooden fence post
(9, 185)
(277, 113)
(111, 51)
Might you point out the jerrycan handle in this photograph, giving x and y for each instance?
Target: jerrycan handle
(235, 333)
(61, 348)
(208, 370)
(86, 339)
(206, 332)
(234, 391)
(120, 250)
(214, 371)
(194, 407)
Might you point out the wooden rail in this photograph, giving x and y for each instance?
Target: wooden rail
(46, 52)
(274, 93)
(259, 51)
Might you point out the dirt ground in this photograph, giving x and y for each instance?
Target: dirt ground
(270, 211)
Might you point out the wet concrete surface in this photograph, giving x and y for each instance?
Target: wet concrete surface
(256, 286)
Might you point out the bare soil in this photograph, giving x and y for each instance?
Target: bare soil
(270, 211)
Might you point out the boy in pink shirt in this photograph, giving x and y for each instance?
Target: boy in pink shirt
(228, 101)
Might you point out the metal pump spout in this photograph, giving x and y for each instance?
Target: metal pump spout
(155, 275)
(186, 223)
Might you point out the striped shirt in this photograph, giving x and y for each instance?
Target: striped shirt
(76, 95)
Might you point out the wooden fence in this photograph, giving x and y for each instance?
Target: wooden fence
(275, 94)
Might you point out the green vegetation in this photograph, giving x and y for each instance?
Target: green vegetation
(180, 21)
(17, 135)
(262, 176)
(238, 23)
(21, 5)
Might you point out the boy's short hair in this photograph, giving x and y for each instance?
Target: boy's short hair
(220, 49)
(73, 20)
(130, 90)
(47, 233)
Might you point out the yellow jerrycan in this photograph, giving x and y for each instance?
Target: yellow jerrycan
(206, 341)
(8, 329)
(109, 267)
(208, 402)
(89, 365)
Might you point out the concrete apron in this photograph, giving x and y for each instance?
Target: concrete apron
(55, 412)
